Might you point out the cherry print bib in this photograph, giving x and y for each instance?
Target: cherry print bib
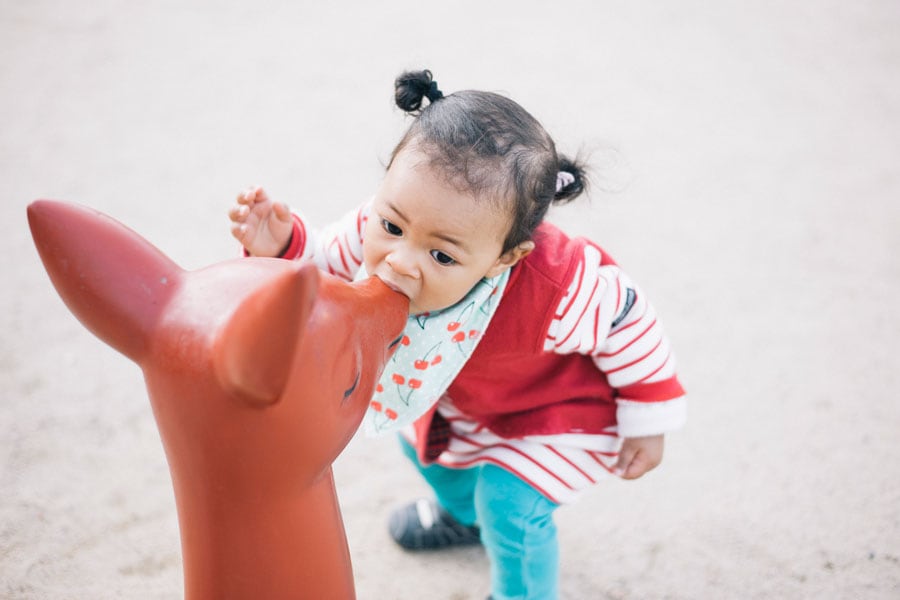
(433, 350)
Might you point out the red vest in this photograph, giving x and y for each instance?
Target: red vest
(510, 384)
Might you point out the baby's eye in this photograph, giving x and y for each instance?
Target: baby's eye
(391, 228)
(442, 259)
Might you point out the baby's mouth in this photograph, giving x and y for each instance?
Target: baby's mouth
(393, 286)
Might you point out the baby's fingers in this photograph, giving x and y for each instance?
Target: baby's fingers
(251, 196)
(626, 456)
(282, 211)
(239, 231)
(639, 455)
(637, 467)
(239, 213)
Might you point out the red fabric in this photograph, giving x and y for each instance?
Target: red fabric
(515, 388)
(298, 240)
(652, 392)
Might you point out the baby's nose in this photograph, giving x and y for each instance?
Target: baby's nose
(402, 262)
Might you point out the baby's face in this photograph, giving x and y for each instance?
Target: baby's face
(428, 240)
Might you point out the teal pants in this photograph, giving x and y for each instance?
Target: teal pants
(516, 523)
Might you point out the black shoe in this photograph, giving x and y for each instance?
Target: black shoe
(423, 525)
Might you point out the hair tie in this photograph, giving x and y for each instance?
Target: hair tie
(563, 180)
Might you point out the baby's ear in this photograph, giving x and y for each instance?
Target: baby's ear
(509, 258)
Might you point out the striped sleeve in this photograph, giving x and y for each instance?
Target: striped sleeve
(336, 248)
(603, 314)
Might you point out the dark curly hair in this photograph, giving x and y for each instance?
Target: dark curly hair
(488, 145)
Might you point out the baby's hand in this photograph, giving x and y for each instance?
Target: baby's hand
(639, 455)
(262, 226)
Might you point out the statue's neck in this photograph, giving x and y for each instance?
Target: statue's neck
(246, 547)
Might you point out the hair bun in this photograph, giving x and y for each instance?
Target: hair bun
(574, 184)
(411, 87)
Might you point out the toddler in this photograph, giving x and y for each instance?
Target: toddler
(532, 366)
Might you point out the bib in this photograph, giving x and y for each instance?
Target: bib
(434, 348)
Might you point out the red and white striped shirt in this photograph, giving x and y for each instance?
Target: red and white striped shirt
(602, 314)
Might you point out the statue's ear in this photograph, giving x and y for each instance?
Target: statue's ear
(254, 353)
(112, 279)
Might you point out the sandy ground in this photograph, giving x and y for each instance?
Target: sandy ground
(747, 176)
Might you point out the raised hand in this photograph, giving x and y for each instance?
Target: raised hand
(261, 225)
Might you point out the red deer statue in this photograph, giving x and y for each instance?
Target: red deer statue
(259, 371)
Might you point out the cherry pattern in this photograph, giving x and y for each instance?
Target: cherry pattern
(434, 348)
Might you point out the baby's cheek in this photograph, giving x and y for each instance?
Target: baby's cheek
(369, 257)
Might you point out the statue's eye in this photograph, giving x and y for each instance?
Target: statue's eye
(349, 391)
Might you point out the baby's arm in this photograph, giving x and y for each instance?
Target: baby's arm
(606, 316)
(261, 225)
